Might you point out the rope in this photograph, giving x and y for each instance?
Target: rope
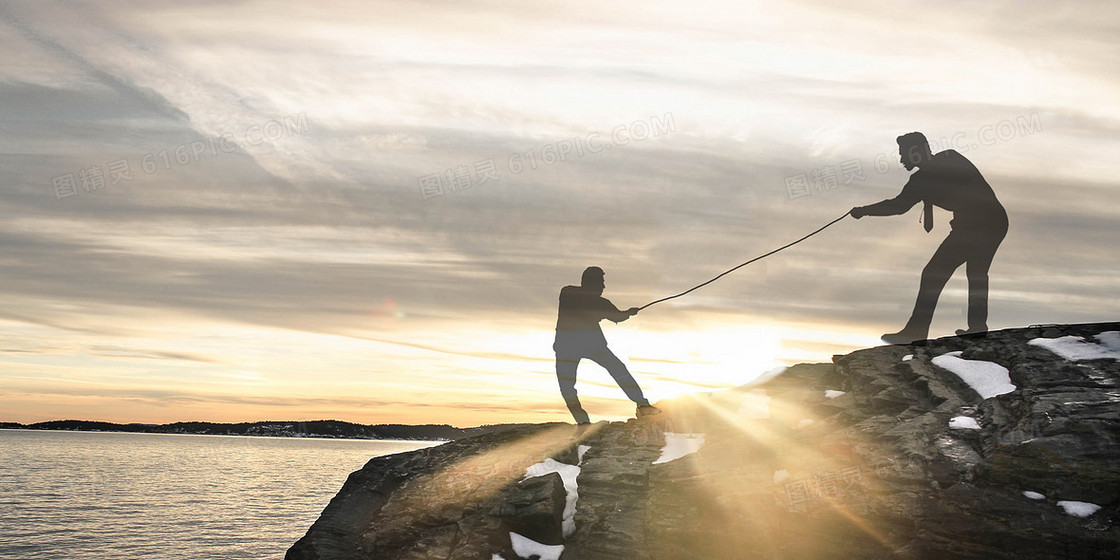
(782, 248)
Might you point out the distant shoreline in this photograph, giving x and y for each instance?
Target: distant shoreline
(297, 436)
(321, 429)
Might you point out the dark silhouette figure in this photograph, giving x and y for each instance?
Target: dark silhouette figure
(578, 336)
(947, 180)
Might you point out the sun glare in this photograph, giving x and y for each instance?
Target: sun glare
(670, 363)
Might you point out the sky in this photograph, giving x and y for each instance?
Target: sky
(364, 210)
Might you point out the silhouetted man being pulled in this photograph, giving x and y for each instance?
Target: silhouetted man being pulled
(979, 224)
(578, 336)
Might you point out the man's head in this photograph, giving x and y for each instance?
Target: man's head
(913, 150)
(593, 279)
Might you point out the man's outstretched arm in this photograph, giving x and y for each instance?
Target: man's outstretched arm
(890, 207)
(615, 314)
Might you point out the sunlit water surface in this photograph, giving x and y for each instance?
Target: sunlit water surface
(85, 495)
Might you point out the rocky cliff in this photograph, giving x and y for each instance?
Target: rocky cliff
(1003, 445)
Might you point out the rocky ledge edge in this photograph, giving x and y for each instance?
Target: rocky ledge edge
(1000, 445)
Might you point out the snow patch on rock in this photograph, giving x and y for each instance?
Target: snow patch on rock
(781, 475)
(988, 379)
(1075, 348)
(1078, 509)
(528, 548)
(580, 451)
(963, 423)
(568, 473)
(679, 445)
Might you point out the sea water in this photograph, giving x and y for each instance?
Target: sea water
(115, 496)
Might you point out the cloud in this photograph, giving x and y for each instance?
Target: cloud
(137, 97)
(125, 352)
(313, 231)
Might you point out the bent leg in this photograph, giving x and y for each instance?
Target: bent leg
(949, 256)
(621, 375)
(566, 376)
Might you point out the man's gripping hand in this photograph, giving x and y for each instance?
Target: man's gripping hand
(858, 212)
(633, 311)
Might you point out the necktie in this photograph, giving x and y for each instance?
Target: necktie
(927, 220)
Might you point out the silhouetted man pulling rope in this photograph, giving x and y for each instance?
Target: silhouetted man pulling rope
(578, 336)
(947, 180)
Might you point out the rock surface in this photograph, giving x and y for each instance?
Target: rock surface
(785, 472)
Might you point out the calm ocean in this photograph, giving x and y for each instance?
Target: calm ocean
(110, 496)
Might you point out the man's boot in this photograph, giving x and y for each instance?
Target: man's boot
(909, 334)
